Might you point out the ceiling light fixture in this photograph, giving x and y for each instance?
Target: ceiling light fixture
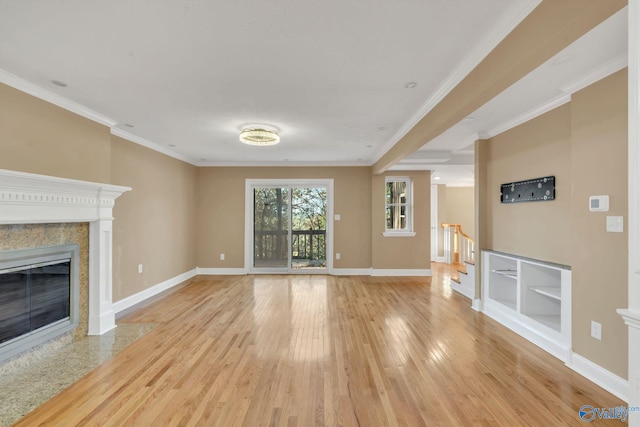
(260, 137)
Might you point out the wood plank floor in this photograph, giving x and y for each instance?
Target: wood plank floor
(323, 351)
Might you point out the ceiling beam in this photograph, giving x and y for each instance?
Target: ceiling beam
(548, 29)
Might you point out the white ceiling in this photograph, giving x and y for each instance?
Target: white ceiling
(187, 75)
(597, 54)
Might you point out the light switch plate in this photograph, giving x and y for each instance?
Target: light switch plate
(615, 224)
(596, 330)
(336, 217)
(599, 203)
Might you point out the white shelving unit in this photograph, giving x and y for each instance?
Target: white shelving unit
(533, 298)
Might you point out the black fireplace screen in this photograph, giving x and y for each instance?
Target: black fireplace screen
(33, 296)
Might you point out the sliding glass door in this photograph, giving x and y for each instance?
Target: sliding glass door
(271, 227)
(289, 227)
(308, 227)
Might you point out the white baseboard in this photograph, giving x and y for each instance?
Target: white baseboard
(441, 259)
(595, 373)
(476, 304)
(518, 325)
(400, 272)
(334, 272)
(134, 299)
(222, 271)
(351, 272)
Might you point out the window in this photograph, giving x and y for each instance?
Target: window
(398, 204)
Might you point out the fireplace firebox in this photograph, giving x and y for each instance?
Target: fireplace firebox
(38, 296)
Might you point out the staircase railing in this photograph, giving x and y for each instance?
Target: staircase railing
(459, 247)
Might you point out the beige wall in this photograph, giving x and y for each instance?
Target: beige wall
(599, 258)
(38, 137)
(540, 147)
(459, 208)
(155, 223)
(402, 252)
(583, 143)
(481, 214)
(221, 212)
(179, 216)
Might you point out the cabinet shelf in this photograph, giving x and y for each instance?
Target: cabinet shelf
(530, 297)
(512, 274)
(553, 292)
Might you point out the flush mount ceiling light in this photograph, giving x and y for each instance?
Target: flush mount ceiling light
(258, 136)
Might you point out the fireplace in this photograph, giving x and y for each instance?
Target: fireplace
(30, 199)
(38, 296)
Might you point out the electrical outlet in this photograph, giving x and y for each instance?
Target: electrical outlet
(337, 255)
(221, 257)
(596, 330)
(139, 268)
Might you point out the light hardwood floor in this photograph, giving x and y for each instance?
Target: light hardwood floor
(323, 351)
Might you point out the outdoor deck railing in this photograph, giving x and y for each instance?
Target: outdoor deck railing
(305, 244)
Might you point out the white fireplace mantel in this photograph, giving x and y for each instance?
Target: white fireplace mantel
(27, 198)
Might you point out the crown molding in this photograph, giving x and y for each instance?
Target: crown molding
(53, 98)
(151, 145)
(600, 72)
(604, 70)
(529, 115)
(72, 106)
(282, 164)
(510, 20)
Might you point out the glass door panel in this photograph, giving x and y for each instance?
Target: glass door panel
(271, 228)
(308, 227)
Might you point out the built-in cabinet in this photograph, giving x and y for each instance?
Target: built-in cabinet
(531, 297)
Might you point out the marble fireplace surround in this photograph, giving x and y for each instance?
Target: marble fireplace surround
(27, 198)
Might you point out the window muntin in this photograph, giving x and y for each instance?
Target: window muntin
(398, 204)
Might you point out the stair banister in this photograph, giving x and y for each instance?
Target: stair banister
(461, 242)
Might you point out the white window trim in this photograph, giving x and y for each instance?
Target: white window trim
(408, 231)
(399, 233)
